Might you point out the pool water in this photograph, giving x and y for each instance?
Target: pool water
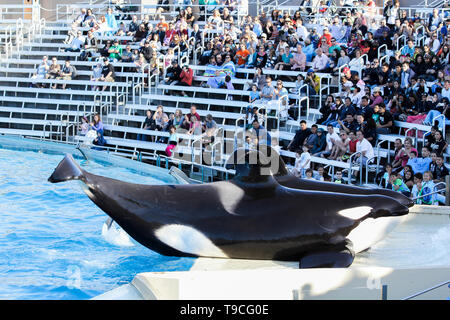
(53, 240)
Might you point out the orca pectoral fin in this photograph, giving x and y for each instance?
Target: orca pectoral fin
(339, 256)
(66, 170)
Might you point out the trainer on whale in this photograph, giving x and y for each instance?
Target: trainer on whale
(251, 216)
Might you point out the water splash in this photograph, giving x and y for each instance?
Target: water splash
(116, 236)
(440, 241)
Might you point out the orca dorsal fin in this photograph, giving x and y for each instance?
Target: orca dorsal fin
(256, 165)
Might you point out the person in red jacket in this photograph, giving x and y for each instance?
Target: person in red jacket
(186, 77)
(326, 35)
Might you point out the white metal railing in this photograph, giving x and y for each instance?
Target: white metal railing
(339, 76)
(384, 46)
(427, 290)
(69, 11)
(398, 41)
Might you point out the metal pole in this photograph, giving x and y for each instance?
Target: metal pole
(447, 190)
(384, 292)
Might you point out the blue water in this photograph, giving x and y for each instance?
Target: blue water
(53, 243)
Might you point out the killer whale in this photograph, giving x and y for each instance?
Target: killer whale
(287, 179)
(249, 217)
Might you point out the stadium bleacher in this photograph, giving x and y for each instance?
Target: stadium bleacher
(31, 111)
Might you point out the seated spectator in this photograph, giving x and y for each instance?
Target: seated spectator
(161, 119)
(338, 177)
(376, 97)
(104, 51)
(425, 189)
(385, 121)
(90, 47)
(77, 43)
(133, 26)
(440, 171)
(299, 86)
(173, 141)
(251, 115)
(259, 79)
(195, 126)
(313, 82)
(97, 123)
(365, 148)
(177, 119)
(111, 22)
(385, 177)
(108, 74)
(173, 73)
(187, 118)
(351, 144)
(332, 138)
(340, 146)
(54, 70)
(302, 162)
(241, 56)
(84, 126)
(342, 60)
(149, 124)
(259, 133)
(115, 51)
(272, 59)
(282, 95)
(268, 91)
(99, 141)
(320, 62)
(348, 124)
(122, 31)
(186, 77)
(141, 64)
(398, 185)
(402, 157)
(78, 21)
(309, 174)
(96, 74)
(127, 55)
(67, 73)
(209, 128)
(420, 164)
(321, 174)
(300, 137)
(140, 33)
(285, 61)
(439, 145)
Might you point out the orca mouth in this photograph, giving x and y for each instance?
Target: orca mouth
(398, 211)
(410, 203)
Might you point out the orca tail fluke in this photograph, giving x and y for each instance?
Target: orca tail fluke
(66, 170)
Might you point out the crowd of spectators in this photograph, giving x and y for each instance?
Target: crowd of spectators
(408, 82)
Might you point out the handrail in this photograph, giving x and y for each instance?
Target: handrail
(300, 106)
(67, 11)
(427, 290)
(398, 40)
(339, 76)
(443, 122)
(320, 96)
(200, 48)
(379, 50)
(385, 57)
(408, 130)
(434, 192)
(350, 162)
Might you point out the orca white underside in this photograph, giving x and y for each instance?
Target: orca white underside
(189, 240)
(370, 231)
